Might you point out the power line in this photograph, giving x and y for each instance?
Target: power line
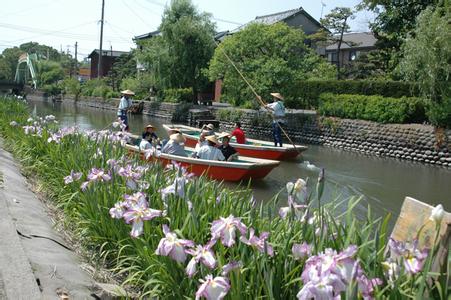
(34, 8)
(133, 12)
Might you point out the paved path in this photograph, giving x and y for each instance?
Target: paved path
(35, 263)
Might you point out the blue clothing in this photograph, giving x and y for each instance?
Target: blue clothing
(277, 133)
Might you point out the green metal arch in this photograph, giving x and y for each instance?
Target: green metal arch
(25, 66)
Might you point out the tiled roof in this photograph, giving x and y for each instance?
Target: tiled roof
(355, 40)
(147, 35)
(277, 17)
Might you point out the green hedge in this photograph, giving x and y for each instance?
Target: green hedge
(306, 95)
(178, 95)
(373, 108)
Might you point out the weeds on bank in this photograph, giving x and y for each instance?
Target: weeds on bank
(174, 236)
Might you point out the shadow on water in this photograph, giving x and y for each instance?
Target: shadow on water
(381, 182)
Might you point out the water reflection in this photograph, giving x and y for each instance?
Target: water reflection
(382, 182)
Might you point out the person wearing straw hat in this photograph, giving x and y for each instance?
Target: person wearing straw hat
(150, 129)
(202, 141)
(124, 106)
(278, 111)
(149, 138)
(228, 151)
(210, 128)
(209, 151)
(175, 146)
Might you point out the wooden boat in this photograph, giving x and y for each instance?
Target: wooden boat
(252, 148)
(243, 169)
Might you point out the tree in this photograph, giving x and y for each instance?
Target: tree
(188, 37)
(337, 22)
(427, 60)
(48, 72)
(10, 57)
(124, 66)
(272, 57)
(366, 66)
(394, 22)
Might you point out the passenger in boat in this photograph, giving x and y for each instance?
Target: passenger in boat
(238, 133)
(146, 142)
(228, 151)
(170, 132)
(278, 111)
(209, 151)
(124, 106)
(210, 128)
(175, 145)
(202, 141)
(154, 140)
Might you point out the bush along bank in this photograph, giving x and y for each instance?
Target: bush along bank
(173, 236)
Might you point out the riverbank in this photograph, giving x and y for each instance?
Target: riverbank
(135, 234)
(417, 143)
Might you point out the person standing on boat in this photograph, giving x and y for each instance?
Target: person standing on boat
(209, 151)
(124, 106)
(238, 133)
(278, 111)
(175, 145)
(228, 151)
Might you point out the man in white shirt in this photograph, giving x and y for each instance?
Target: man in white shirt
(145, 142)
(124, 105)
(202, 141)
(175, 145)
(209, 151)
(278, 111)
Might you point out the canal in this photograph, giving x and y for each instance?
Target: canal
(381, 182)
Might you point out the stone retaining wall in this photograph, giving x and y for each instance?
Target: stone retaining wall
(414, 142)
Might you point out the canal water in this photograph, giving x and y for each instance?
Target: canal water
(381, 182)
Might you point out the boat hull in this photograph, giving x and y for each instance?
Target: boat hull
(227, 171)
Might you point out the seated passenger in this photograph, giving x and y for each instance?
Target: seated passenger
(175, 145)
(209, 151)
(202, 141)
(228, 151)
(210, 129)
(146, 141)
(170, 132)
(238, 134)
(154, 140)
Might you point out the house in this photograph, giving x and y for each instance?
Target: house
(353, 45)
(143, 37)
(296, 18)
(108, 59)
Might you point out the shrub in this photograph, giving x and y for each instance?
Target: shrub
(307, 92)
(373, 108)
(71, 86)
(230, 115)
(140, 86)
(96, 88)
(178, 95)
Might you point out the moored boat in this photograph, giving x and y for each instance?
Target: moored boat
(243, 169)
(252, 148)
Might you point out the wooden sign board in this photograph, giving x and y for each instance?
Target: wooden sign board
(414, 217)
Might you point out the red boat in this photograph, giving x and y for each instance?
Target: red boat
(252, 148)
(243, 169)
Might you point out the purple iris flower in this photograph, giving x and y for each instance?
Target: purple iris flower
(136, 200)
(413, 258)
(117, 212)
(172, 246)
(213, 288)
(301, 250)
(74, 176)
(176, 188)
(226, 269)
(224, 228)
(138, 214)
(98, 175)
(258, 242)
(202, 254)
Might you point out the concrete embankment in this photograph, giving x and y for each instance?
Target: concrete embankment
(35, 262)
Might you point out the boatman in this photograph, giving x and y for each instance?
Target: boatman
(278, 111)
(124, 106)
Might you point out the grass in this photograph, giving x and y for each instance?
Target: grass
(190, 216)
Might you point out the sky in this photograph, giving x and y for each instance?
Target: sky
(62, 23)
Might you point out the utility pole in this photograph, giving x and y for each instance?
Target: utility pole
(99, 67)
(76, 60)
(322, 9)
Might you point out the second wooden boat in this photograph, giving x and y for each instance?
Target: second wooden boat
(252, 148)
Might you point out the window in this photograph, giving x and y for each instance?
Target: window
(353, 55)
(332, 57)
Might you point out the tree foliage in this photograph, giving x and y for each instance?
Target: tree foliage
(123, 67)
(272, 57)
(337, 21)
(427, 60)
(48, 72)
(186, 45)
(394, 21)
